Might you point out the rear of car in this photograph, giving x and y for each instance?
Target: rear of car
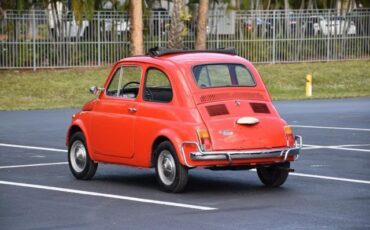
(241, 125)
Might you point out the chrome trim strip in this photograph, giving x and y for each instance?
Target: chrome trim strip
(242, 154)
(183, 151)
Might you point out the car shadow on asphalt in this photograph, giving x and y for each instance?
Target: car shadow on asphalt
(229, 185)
(200, 181)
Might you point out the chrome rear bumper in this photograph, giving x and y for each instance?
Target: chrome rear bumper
(282, 153)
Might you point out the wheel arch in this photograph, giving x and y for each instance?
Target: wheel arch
(72, 130)
(75, 127)
(176, 137)
(167, 135)
(156, 143)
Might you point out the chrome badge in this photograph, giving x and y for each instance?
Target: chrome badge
(226, 132)
(237, 102)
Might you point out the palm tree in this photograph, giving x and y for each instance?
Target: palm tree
(200, 42)
(176, 27)
(136, 27)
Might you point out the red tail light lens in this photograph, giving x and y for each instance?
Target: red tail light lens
(204, 139)
(289, 135)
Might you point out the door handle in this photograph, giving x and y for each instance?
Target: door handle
(132, 109)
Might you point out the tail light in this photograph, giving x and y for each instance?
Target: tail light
(289, 135)
(204, 139)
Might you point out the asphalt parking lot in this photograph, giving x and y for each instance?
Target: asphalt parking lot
(330, 188)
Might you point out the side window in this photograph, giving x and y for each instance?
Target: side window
(157, 86)
(125, 82)
(113, 87)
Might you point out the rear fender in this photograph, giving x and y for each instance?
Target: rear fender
(176, 140)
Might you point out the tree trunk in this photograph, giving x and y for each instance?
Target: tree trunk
(268, 5)
(2, 13)
(287, 25)
(201, 42)
(136, 27)
(176, 27)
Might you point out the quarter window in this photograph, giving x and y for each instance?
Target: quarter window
(157, 86)
(125, 82)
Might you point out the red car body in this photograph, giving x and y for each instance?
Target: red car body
(219, 127)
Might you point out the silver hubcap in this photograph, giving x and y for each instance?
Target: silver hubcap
(78, 156)
(166, 167)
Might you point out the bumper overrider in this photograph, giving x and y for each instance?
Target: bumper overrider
(282, 153)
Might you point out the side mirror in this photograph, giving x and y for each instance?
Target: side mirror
(95, 89)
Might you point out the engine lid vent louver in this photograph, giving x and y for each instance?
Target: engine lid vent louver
(209, 98)
(217, 110)
(260, 108)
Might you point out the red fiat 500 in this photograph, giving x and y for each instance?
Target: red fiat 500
(177, 110)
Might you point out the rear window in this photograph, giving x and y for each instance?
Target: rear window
(222, 75)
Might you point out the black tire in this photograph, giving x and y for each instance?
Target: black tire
(80, 164)
(171, 175)
(273, 176)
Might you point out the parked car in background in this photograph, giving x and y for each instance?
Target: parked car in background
(159, 22)
(68, 27)
(311, 26)
(221, 21)
(361, 19)
(73, 29)
(121, 27)
(177, 110)
(332, 26)
(260, 25)
(293, 21)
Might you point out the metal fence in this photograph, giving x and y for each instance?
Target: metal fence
(40, 39)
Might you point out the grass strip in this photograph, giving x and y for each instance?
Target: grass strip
(330, 79)
(68, 88)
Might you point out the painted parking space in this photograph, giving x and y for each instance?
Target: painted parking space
(329, 188)
(306, 147)
(110, 185)
(150, 201)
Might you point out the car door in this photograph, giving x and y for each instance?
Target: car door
(113, 120)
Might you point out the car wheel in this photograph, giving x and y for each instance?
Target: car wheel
(273, 176)
(80, 164)
(171, 175)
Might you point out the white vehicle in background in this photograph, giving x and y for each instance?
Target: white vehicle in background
(335, 26)
(121, 27)
(221, 21)
(65, 26)
(74, 29)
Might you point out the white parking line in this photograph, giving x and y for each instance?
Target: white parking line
(330, 178)
(349, 149)
(307, 147)
(336, 147)
(327, 178)
(354, 145)
(112, 196)
(32, 147)
(32, 165)
(327, 127)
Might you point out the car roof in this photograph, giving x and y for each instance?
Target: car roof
(192, 57)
